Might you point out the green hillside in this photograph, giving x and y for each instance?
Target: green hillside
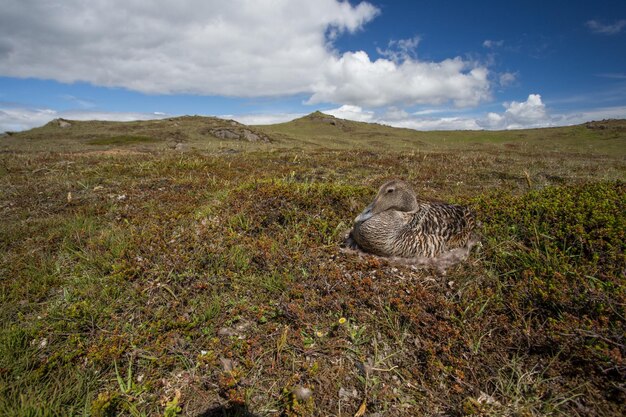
(319, 129)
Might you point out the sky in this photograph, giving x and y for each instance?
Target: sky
(426, 65)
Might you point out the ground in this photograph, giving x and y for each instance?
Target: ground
(152, 268)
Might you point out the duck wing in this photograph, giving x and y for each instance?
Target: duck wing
(449, 223)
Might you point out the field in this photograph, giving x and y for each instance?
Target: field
(193, 266)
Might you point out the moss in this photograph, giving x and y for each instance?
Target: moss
(564, 227)
(106, 405)
(561, 251)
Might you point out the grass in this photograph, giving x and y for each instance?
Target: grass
(141, 279)
(121, 140)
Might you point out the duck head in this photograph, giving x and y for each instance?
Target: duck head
(392, 195)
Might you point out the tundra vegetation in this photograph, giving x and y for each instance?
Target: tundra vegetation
(192, 266)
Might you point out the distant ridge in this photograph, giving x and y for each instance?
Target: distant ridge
(316, 130)
(174, 132)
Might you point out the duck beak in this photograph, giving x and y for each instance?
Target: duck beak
(365, 214)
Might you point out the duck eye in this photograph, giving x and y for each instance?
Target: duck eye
(390, 190)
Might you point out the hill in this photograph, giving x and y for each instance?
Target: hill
(182, 133)
(314, 131)
(319, 129)
(183, 267)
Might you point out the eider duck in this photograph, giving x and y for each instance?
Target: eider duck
(397, 224)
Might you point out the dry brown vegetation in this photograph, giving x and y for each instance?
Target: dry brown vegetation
(139, 277)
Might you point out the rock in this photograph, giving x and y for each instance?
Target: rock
(238, 329)
(251, 137)
(226, 331)
(301, 393)
(225, 134)
(227, 364)
(487, 399)
(63, 123)
(346, 394)
(237, 133)
(242, 325)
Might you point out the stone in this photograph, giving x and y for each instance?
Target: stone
(63, 123)
(225, 134)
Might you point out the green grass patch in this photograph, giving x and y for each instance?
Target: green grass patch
(122, 140)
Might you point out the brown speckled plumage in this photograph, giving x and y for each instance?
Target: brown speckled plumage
(398, 224)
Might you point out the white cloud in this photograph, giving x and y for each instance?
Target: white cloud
(394, 113)
(519, 115)
(507, 78)
(350, 112)
(441, 123)
(606, 29)
(241, 48)
(490, 44)
(355, 79)
(618, 112)
(236, 48)
(400, 50)
(425, 112)
(16, 119)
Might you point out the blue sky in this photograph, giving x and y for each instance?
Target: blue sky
(417, 64)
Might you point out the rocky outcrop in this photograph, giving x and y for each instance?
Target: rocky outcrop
(238, 133)
(323, 118)
(62, 123)
(607, 124)
(224, 133)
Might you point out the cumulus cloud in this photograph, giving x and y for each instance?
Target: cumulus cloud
(519, 115)
(236, 48)
(606, 29)
(357, 80)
